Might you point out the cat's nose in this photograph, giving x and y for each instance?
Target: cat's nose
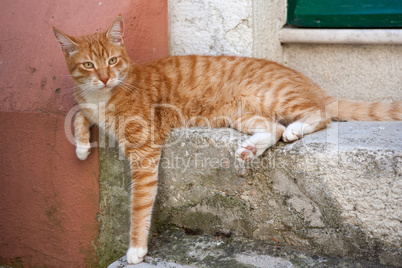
(104, 80)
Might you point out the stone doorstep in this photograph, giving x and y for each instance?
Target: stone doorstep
(174, 248)
(337, 192)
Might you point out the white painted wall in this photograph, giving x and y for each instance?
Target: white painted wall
(222, 27)
(211, 27)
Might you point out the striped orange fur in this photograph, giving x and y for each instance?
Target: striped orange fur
(140, 104)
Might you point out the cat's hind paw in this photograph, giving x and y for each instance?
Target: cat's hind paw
(255, 146)
(136, 255)
(83, 151)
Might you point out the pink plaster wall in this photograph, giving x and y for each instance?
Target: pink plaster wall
(49, 198)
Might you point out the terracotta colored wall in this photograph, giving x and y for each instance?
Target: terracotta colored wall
(49, 198)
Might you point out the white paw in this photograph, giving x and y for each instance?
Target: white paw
(82, 151)
(246, 154)
(296, 131)
(136, 255)
(255, 146)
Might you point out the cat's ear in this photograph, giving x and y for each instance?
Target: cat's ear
(115, 32)
(68, 45)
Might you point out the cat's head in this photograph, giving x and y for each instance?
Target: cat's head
(98, 61)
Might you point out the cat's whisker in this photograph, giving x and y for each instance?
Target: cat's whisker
(137, 82)
(131, 90)
(72, 89)
(131, 87)
(70, 103)
(122, 82)
(128, 87)
(67, 91)
(83, 94)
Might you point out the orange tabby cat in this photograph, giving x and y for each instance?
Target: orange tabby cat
(140, 104)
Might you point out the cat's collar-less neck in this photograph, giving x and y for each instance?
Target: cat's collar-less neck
(94, 96)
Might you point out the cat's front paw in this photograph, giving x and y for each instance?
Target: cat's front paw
(246, 153)
(136, 255)
(83, 151)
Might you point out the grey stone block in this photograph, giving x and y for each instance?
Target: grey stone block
(336, 192)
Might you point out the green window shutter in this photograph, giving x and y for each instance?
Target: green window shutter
(345, 13)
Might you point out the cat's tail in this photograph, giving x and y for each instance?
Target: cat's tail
(348, 110)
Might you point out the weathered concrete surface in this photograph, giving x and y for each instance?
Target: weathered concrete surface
(178, 249)
(361, 72)
(215, 26)
(220, 27)
(114, 205)
(336, 192)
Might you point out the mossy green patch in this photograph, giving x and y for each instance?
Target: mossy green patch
(213, 214)
(114, 215)
(200, 220)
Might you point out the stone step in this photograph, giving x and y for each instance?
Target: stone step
(337, 192)
(174, 248)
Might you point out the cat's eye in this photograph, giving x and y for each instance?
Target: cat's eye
(88, 65)
(112, 61)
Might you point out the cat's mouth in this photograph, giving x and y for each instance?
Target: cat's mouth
(105, 89)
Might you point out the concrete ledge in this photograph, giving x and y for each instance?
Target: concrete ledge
(174, 248)
(340, 36)
(337, 192)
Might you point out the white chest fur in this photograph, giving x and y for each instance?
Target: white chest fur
(95, 106)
